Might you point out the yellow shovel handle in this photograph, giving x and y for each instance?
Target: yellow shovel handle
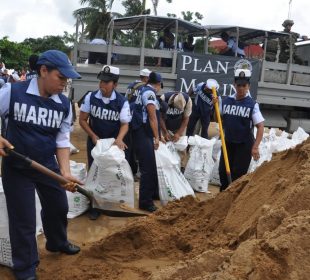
(218, 116)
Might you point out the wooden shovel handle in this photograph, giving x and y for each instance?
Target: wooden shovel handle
(42, 169)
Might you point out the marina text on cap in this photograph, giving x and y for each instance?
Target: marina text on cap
(60, 61)
(145, 72)
(108, 73)
(242, 76)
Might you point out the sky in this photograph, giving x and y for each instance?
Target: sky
(37, 18)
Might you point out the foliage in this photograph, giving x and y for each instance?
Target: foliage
(15, 55)
(132, 7)
(96, 17)
(191, 16)
(49, 42)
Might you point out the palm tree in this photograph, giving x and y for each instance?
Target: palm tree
(96, 17)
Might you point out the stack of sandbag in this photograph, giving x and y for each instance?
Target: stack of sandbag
(200, 164)
(274, 142)
(171, 181)
(110, 177)
(5, 245)
(216, 155)
(78, 203)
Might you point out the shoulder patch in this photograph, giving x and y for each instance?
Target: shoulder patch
(151, 97)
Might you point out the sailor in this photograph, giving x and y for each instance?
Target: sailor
(134, 88)
(105, 113)
(132, 92)
(33, 67)
(38, 118)
(202, 109)
(145, 129)
(177, 117)
(240, 113)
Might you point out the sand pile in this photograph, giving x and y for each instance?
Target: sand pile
(258, 229)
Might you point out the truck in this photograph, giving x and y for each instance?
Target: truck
(281, 89)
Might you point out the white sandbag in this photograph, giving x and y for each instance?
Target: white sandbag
(106, 154)
(216, 155)
(78, 203)
(265, 153)
(299, 136)
(110, 177)
(200, 164)
(281, 143)
(174, 153)
(182, 143)
(5, 244)
(172, 183)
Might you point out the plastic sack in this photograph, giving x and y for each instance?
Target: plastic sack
(265, 153)
(5, 244)
(110, 177)
(106, 154)
(175, 157)
(299, 136)
(182, 143)
(78, 203)
(216, 155)
(200, 164)
(172, 183)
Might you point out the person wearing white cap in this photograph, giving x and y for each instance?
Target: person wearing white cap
(38, 119)
(177, 117)
(202, 109)
(146, 134)
(240, 113)
(105, 113)
(133, 90)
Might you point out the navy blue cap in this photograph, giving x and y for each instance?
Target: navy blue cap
(60, 61)
(155, 78)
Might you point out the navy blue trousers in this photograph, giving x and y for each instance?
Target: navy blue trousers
(239, 157)
(19, 188)
(144, 147)
(194, 118)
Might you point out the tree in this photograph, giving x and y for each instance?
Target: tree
(96, 17)
(15, 55)
(189, 16)
(48, 42)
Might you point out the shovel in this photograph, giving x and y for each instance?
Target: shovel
(118, 209)
(218, 116)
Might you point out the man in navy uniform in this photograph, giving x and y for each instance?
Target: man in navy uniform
(133, 90)
(240, 113)
(202, 109)
(105, 113)
(145, 129)
(177, 117)
(38, 119)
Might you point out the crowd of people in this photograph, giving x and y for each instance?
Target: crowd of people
(37, 118)
(37, 121)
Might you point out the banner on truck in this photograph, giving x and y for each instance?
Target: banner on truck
(193, 69)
